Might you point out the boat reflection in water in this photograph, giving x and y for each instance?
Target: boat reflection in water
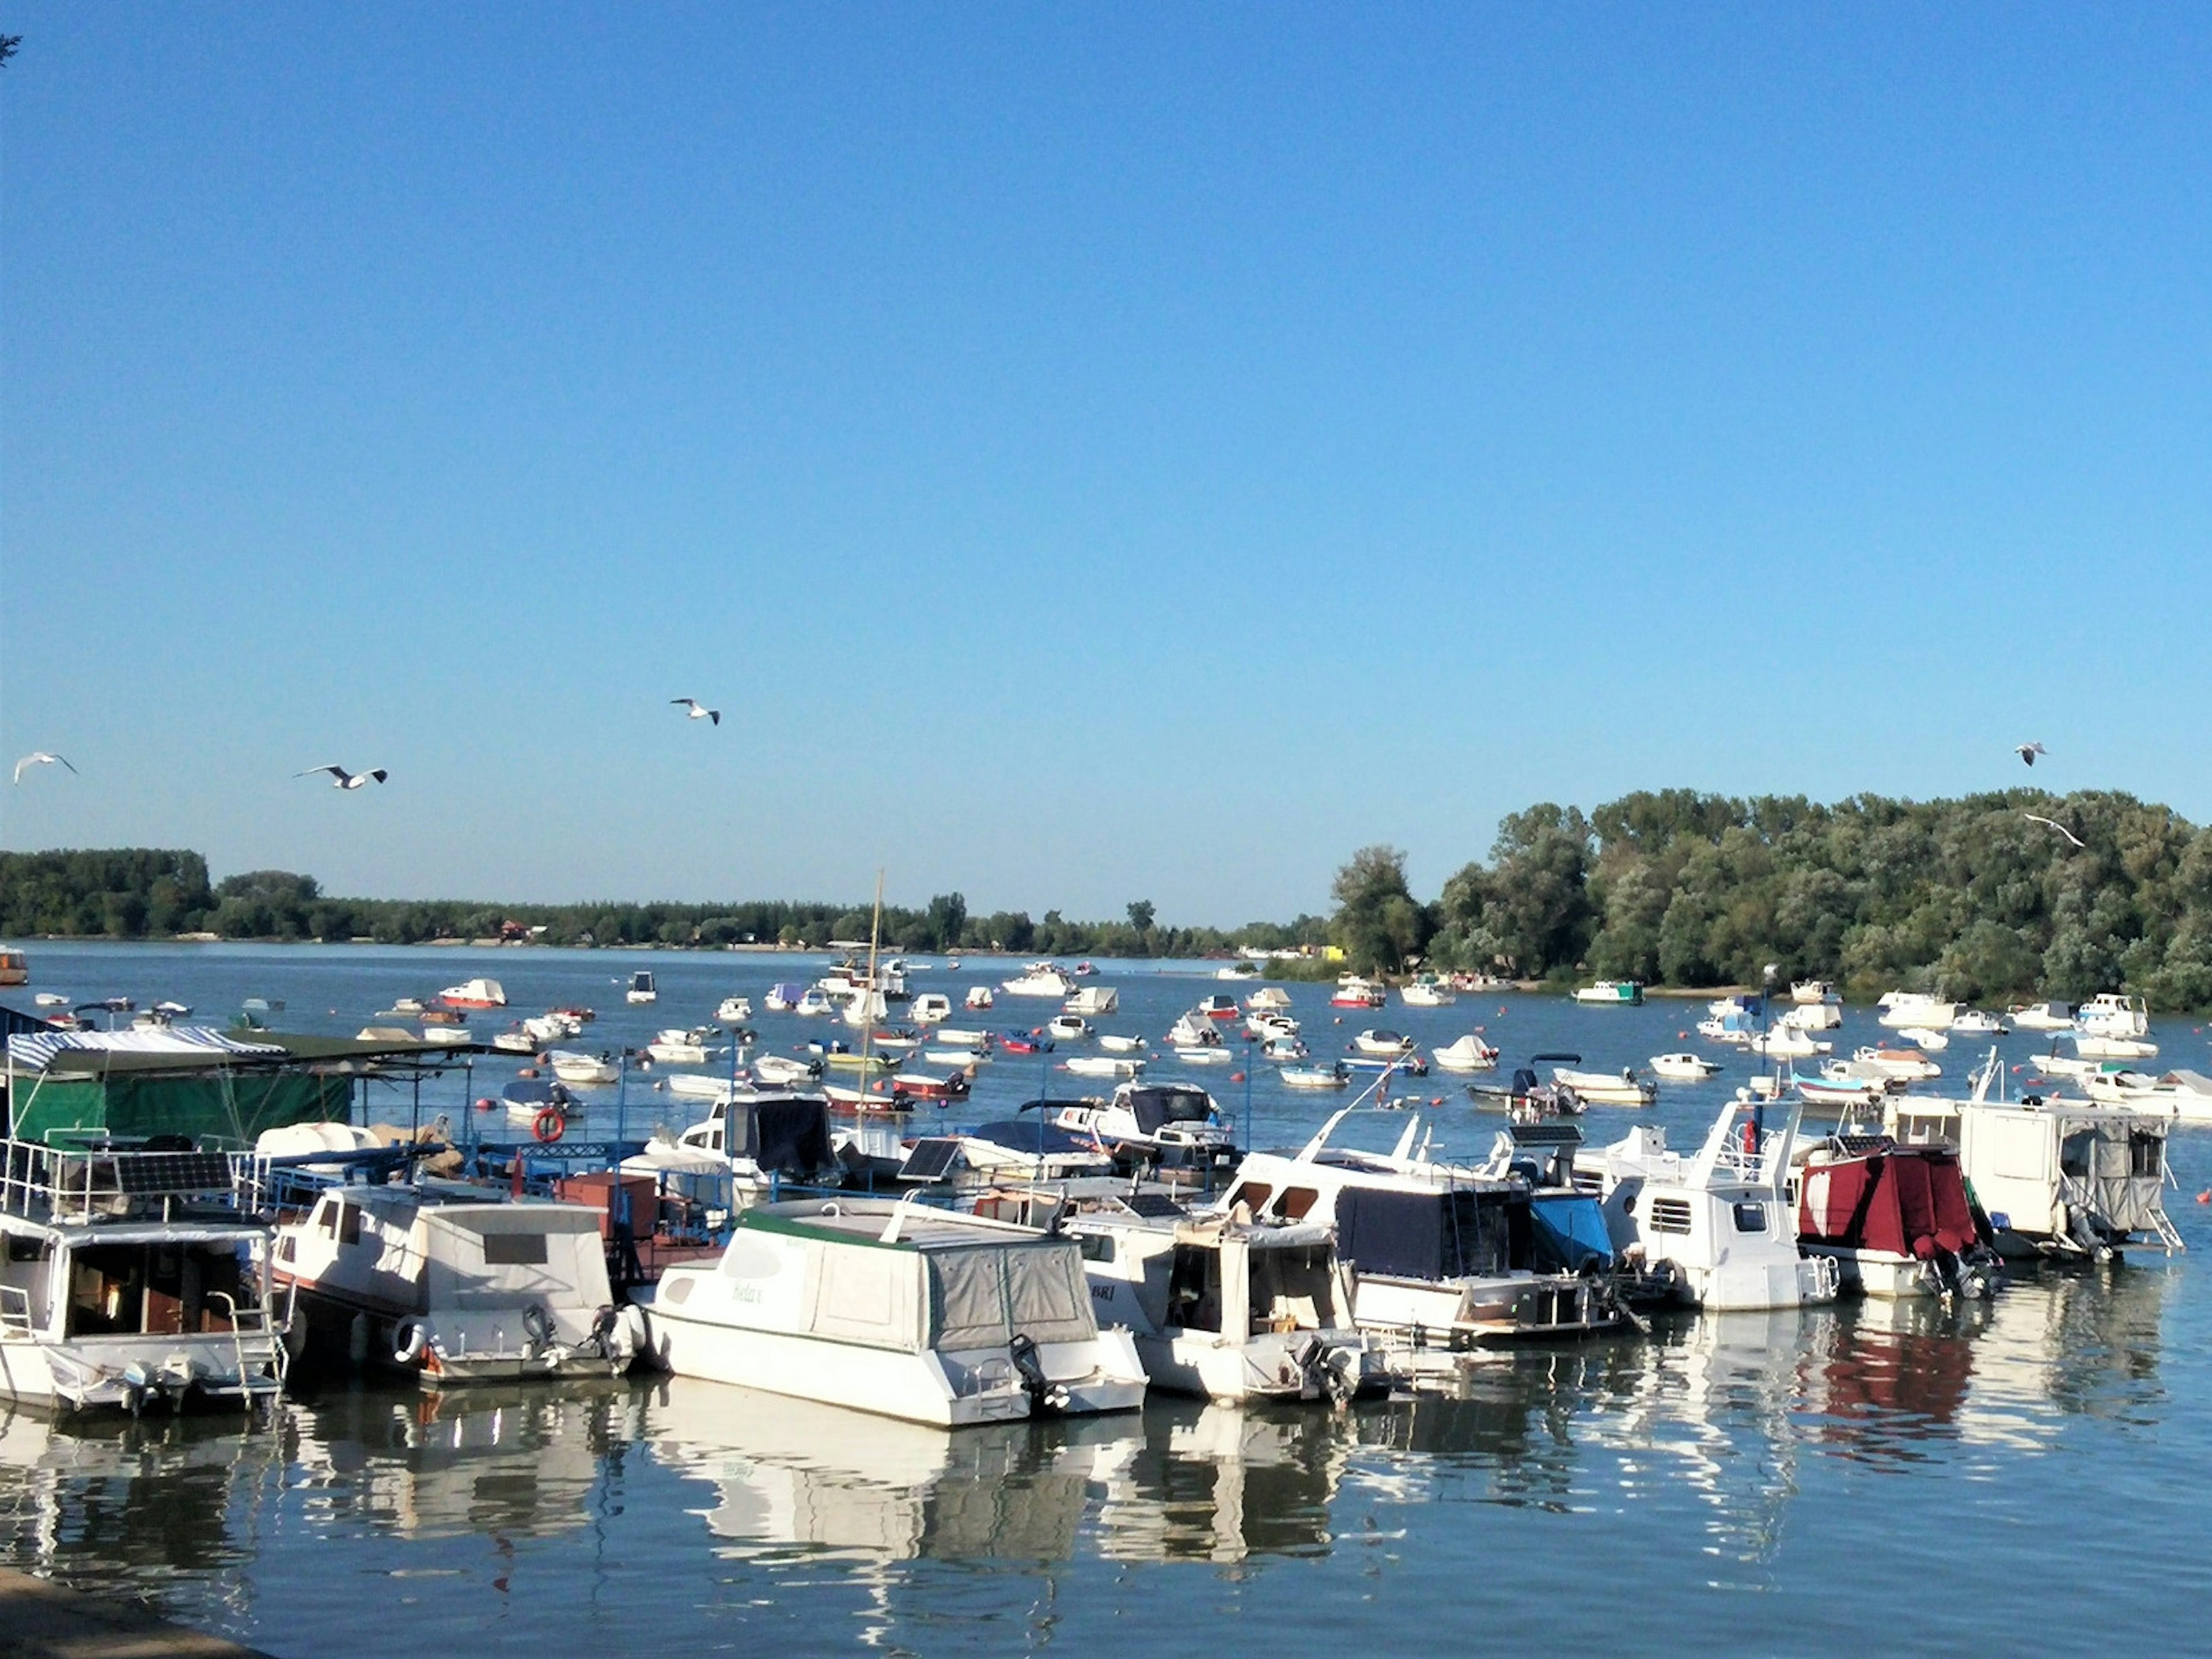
(1224, 1483)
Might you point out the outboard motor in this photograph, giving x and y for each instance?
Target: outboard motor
(1044, 1394)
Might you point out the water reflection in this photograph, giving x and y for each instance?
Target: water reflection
(1216, 1483)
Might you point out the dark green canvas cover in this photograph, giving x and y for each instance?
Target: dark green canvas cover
(221, 1108)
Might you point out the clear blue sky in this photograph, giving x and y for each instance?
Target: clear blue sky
(1086, 454)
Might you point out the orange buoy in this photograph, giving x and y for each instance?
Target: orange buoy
(485, 1103)
(2205, 1197)
(1237, 1077)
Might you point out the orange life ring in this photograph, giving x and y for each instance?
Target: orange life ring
(549, 1125)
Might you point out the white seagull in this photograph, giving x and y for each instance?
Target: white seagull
(41, 758)
(344, 779)
(2054, 824)
(2028, 751)
(697, 712)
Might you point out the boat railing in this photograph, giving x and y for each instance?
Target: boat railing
(59, 1185)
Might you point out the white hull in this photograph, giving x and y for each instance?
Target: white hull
(1265, 1367)
(1878, 1274)
(89, 1373)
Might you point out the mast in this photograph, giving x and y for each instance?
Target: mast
(868, 990)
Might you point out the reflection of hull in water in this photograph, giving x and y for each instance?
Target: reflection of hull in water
(1223, 1483)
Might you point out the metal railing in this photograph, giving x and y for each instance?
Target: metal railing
(64, 1185)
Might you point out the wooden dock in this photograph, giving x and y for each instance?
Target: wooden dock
(40, 1619)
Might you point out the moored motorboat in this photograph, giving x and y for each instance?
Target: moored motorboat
(1621, 1088)
(930, 1008)
(1427, 991)
(782, 1072)
(979, 996)
(1094, 999)
(1469, 1053)
(1103, 1066)
(1355, 991)
(733, 1010)
(475, 994)
(1317, 1077)
(2041, 1016)
(1897, 1221)
(1610, 994)
(1040, 978)
(1118, 1043)
(1149, 1125)
(1374, 1041)
(1067, 1028)
(1683, 1068)
(582, 1070)
(642, 989)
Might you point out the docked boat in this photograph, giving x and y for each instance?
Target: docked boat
(1040, 978)
(1721, 1220)
(1811, 993)
(1203, 1054)
(2041, 1016)
(1903, 1008)
(678, 1046)
(1933, 1042)
(2182, 1096)
(780, 1071)
(1068, 1028)
(1025, 1042)
(1837, 1089)
(1150, 1125)
(1442, 1257)
(133, 1278)
(2097, 1045)
(1238, 971)
(514, 1041)
(1469, 1053)
(1899, 1064)
(580, 1070)
(733, 1010)
(912, 1313)
(551, 1027)
(1788, 1042)
(474, 994)
(978, 997)
(1813, 1015)
(1683, 1068)
(1233, 1310)
(454, 1290)
(1374, 1041)
(930, 1008)
(2056, 1177)
(1610, 994)
(60, 999)
(1621, 1088)
(1897, 1220)
(1317, 1077)
(1094, 1001)
(1355, 991)
(1975, 1022)
(863, 1007)
(1734, 1028)
(2108, 1014)
(1102, 1066)
(1526, 1098)
(963, 1037)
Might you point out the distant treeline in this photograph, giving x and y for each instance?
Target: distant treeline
(136, 893)
(1971, 898)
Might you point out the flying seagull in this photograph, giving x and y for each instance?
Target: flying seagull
(2028, 751)
(344, 779)
(2054, 824)
(41, 758)
(697, 712)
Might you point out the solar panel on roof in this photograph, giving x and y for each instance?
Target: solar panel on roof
(145, 1173)
(1153, 1206)
(1546, 1134)
(930, 1160)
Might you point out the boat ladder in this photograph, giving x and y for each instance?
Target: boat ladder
(2168, 1234)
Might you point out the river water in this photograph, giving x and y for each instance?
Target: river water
(2024, 1473)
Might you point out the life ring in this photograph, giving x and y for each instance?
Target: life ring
(550, 1124)
(409, 1339)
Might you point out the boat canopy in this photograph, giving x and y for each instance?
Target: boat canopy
(1571, 1231)
(1457, 1232)
(1906, 1201)
(789, 1136)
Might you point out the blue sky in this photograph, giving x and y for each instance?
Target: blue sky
(1087, 454)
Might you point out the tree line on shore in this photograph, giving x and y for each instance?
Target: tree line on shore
(141, 893)
(2013, 894)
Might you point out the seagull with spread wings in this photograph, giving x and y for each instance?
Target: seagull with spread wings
(697, 711)
(344, 779)
(2053, 823)
(2028, 751)
(40, 758)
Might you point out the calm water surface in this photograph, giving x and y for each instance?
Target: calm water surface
(1866, 1479)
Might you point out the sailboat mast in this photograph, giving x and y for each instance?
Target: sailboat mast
(868, 991)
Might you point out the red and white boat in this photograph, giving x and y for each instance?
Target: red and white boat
(1896, 1220)
(1218, 1007)
(1353, 992)
(474, 994)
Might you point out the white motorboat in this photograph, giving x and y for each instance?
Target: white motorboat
(446, 1036)
(1040, 978)
(751, 1140)
(1975, 1022)
(1094, 999)
(1428, 991)
(1787, 1042)
(1934, 1042)
(1903, 1008)
(551, 1027)
(2183, 1095)
(580, 1070)
(919, 1313)
(515, 1041)
(930, 1008)
(1355, 991)
(1811, 993)
(1621, 1088)
(1260, 1027)
(1317, 1077)
(698, 1085)
(1176, 1124)
(863, 1007)
(979, 997)
(1193, 1030)
(1721, 1219)
(1842, 1088)
(640, 988)
(2041, 1016)
(1284, 1049)
(2056, 1177)
(1012, 1149)
(131, 1279)
(1897, 1221)
(733, 1010)
(2091, 1045)
(1238, 971)
(474, 994)
(60, 999)
(454, 1290)
(677, 1047)
(1905, 1065)
(1068, 1028)
(1813, 1015)
(969, 1058)
(1203, 1056)
(785, 996)
(1232, 1310)
(2108, 1014)
(1269, 999)
(953, 1037)
(1469, 1053)
(1115, 1044)
(1102, 1066)
(1610, 994)
(779, 1071)
(1374, 1041)
(1735, 1028)
(1683, 1068)
(1442, 1257)
(815, 1003)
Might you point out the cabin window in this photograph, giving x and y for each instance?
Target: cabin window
(515, 1249)
(349, 1223)
(326, 1216)
(20, 1249)
(1295, 1202)
(1253, 1194)
(1751, 1218)
(1096, 1247)
(2145, 1155)
(1292, 1290)
(1669, 1215)
(1194, 1289)
(2074, 1153)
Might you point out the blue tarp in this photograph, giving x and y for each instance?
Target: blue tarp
(1571, 1229)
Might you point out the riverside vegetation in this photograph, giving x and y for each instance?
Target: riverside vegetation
(1968, 897)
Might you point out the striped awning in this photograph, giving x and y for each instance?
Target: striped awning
(35, 1051)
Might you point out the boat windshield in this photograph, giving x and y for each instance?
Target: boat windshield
(158, 1289)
